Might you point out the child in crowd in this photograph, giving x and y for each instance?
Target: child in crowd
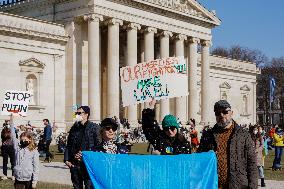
(26, 168)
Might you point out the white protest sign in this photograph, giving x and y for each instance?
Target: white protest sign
(159, 79)
(16, 102)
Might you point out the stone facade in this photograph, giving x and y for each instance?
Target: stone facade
(104, 35)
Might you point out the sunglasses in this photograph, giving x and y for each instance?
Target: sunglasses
(225, 112)
(169, 128)
(110, 128)
(79, 113)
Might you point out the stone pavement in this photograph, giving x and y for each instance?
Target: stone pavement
(57, 172)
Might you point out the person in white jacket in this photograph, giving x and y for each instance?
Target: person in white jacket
(26, 168)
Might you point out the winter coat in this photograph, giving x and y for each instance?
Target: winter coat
(278, 140)
(242, 166)
(81, 138)
(259, 146)
(158, 138)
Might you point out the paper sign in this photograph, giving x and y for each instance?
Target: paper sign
(15, 102)
(158, 79)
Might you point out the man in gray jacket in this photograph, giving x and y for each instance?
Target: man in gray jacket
(237, 168)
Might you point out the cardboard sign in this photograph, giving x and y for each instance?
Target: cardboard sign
(158, 79)
(15, 102)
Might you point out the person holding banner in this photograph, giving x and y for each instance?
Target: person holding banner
(167, 141)
(108, 132)
(83, 136)
(234, 147)
(26, 168)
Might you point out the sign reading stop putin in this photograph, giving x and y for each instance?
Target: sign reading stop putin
(16, 102)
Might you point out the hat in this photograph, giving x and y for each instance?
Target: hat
(221, 104)
(170, 121)
(109, 122)
(86, 109)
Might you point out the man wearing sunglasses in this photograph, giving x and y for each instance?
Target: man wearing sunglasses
(234, 148)
(167, 141)
(84, 135)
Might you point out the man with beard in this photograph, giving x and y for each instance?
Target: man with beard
(234, 148)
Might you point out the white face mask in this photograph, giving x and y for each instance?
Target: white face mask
(8, 126)
(79, 118)
(255, 132)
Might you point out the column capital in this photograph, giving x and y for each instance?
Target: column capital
(133, 26)
(114, 21)
(193, 40)
(206, 43)
(150, 30)
(180, 37)
(93, 18)
(166, 34)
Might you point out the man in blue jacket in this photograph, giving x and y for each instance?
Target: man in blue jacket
(47, 139)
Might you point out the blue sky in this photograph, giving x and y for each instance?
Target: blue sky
(256, 24)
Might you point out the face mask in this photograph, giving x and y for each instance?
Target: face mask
(225, 124)
(255, 132)
(24, 144)
(79, 118)
(8, 126)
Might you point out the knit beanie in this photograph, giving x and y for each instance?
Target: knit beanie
(170, 121)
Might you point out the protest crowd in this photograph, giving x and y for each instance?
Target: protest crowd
(240, 149)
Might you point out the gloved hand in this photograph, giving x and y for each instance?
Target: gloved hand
(34, 183)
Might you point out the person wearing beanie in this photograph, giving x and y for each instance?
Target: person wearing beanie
(167, 141)
(234, 147)
(108, 133)
(84, 135)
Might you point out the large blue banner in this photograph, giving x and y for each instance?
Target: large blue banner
(122, 171)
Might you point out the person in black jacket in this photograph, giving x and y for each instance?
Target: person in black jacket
(108, 133)
(83, 136)
(167, 141)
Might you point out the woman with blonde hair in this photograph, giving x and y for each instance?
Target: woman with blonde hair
(26, 168)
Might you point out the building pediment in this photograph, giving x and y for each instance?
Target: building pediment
(225, 85)
(31, 65)
(186, 7)
(245, 88)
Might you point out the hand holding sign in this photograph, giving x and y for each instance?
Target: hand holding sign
(16, 102)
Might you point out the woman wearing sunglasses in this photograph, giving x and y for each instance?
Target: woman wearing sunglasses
(167, 141)
(108, 134)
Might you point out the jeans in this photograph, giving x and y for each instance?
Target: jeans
(277, 159)
(48, 154)
(8, 152)
(79, 175)
(260, 171)
(23, 184)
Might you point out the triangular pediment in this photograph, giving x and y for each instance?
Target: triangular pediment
(32, 65)
(186, 7)
(32, 62)
(245, 88)
(225, 85)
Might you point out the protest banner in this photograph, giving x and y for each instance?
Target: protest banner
(16, 102)
(120, 171)
(158, 79)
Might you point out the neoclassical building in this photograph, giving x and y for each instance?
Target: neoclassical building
(69, 52)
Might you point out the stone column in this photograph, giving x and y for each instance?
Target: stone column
(132, 61)
(165, 52)
(206, 108)
(94, 66)
(149, 47)
(180, 101)
(192, 66)
(113, 68)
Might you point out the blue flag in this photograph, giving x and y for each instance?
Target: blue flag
(122, 171)
(272, 86)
